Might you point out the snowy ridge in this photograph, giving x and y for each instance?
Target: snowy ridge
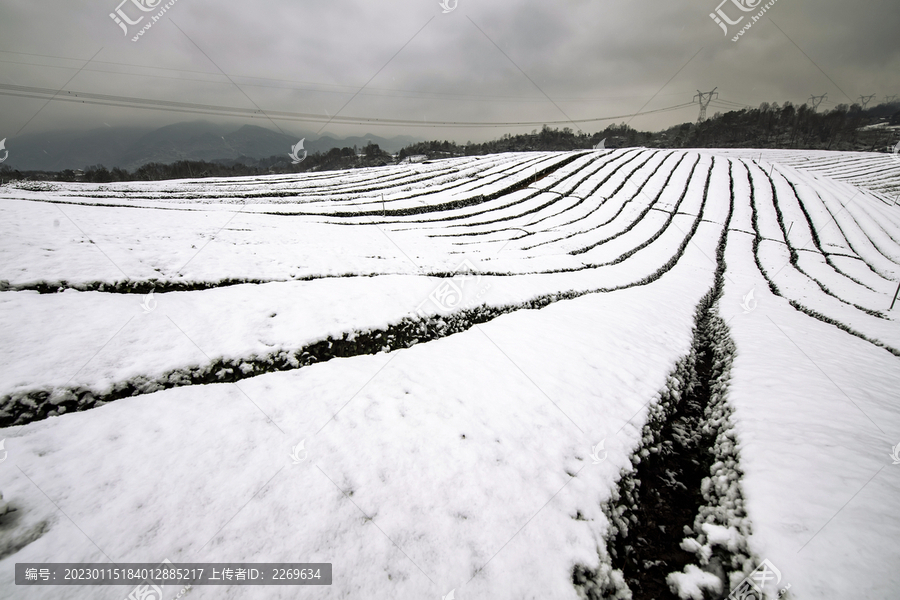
(449, 343)
(26, 406)
(875, 172)
(798, 288)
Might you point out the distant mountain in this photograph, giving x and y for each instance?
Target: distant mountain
(70, 150)
(200, 140)
(130, 148)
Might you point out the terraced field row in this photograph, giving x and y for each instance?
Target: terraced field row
(452, 340)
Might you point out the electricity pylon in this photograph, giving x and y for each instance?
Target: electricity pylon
(864, 100)
(816, 101)
(704, 98)
(890, 99)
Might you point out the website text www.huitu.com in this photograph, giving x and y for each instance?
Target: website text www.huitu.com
(123, 20)
(754, 19)
(154, 19)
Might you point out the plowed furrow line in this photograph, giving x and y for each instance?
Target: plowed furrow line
(27, 406)
(796, 305)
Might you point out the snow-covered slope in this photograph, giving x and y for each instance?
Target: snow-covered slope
(451, 342)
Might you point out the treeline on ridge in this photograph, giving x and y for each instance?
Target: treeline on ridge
(846, 127)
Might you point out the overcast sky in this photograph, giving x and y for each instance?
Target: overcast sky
(487, 62)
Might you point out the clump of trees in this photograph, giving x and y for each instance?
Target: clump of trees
(543, 140)
(846, 127)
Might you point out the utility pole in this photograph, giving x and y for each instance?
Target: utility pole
(704, 98)
(890, 99)
(864, 100)
(816, 101)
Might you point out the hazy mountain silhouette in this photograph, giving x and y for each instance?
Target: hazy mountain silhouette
(55, 151)
(130, 148)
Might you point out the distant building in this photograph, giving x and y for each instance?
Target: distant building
(415, 158)
(79, 175)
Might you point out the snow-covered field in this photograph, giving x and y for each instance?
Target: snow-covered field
(450, 342)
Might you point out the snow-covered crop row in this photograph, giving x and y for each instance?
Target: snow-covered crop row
(878, 174)
(569, 375)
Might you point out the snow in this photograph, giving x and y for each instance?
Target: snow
(693, 583)
(815, 415)
(449, 503)
(463, 463)
(721, 536)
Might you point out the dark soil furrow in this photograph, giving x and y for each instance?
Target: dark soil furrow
(659, 501)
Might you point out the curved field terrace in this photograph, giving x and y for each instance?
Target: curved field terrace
(632, 373)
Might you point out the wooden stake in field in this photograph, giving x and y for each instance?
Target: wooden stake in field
(895, 297)
(383, 211)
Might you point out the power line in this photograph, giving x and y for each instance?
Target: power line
(211, 109)
(730, 104)
(56, 93)
(297, 85)
(726, 101)
(216, 65)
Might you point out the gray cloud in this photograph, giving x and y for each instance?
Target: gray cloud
(593, 58)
